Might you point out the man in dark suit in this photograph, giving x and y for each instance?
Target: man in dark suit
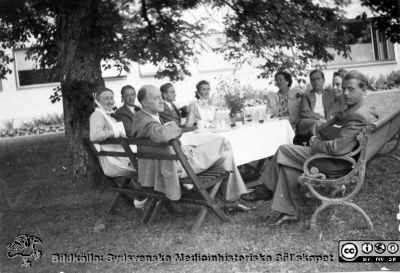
(127, 112)
(315, 108)
(171, 112)
(280, 176)
(316, 103)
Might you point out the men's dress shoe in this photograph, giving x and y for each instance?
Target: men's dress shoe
(285, 219)
(188, 186)
(258, 194)
(139, 204)
(236, 206)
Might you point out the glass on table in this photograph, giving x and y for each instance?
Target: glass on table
(261, 117)
(226, 125)
(227, 122)
(248, 116)
(256, 117)
(268, 114)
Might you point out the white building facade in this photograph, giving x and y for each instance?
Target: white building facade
(25, 94)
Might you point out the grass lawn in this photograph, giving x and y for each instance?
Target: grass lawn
(38, 198)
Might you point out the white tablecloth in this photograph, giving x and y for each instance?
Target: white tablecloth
(249, 143)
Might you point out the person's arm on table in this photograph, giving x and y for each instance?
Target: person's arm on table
(161, 133)
(188, 129)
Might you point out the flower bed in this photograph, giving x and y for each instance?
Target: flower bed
(38, 126)
(37, 130)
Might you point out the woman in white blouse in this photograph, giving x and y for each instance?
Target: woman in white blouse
(201, 109)
(102, 126)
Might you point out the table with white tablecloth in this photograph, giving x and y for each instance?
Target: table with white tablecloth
(249, 142)
(252, 110)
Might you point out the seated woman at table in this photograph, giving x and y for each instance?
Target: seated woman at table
(339, 104)
(286, 102)
(201, 109)
(103, 126)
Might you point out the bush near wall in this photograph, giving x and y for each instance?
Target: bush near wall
(43, 125)
(384, 82)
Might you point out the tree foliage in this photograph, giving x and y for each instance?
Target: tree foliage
(144, 31)
(387, 14)
(283, 34)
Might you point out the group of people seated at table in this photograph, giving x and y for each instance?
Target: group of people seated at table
(159, 120)
(341, 111)
(351, 115)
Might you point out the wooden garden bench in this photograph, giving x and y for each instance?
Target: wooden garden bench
(372, 140)
(206, 183)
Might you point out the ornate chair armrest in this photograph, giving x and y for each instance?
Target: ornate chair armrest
(314, 172)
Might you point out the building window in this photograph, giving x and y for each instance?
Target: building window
(367, 44)
(383, 48)
(28, 73)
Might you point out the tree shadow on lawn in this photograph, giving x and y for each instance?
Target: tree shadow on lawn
(63, 215)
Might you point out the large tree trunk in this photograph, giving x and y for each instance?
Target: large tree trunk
(80, 72)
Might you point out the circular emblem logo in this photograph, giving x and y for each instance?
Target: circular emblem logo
(349, 251)
(367, 248)
(380, 248)
(392, 248)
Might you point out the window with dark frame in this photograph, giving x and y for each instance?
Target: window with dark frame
(383, 48)
(367, 44)
(28, 73)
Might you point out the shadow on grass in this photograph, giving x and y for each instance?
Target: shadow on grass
(38, 198)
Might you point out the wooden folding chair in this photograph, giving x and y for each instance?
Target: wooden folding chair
(94, 155)
(206, 183)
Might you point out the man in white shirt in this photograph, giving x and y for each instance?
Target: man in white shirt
(316, 104)
(127, 112)
(315, 108)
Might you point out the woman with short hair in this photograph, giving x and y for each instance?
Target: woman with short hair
(102, 125)
(339, 104)
(201, 109)
(284, 103)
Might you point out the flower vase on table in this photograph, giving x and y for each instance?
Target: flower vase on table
(234, 96)
(237, 118)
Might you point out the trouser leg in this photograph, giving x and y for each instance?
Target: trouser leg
(217, 155)
(280, 176)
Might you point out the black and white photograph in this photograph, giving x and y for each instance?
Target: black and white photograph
(199, 136)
